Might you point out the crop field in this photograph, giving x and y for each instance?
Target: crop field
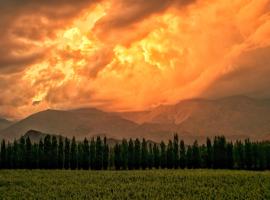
(147, 184)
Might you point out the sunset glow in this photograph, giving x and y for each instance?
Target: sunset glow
(131, 55)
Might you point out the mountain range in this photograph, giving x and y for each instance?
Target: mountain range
(236, 117)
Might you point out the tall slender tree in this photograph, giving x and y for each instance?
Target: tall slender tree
(144, 154)
(175, 151)
(130, 155)
(92, 153)
(170, 155)
(156, 153)
(60, 153)
(163, 155)
(124, 154)
(182, 154)
(105, 154)
(195, 157)
(28, 155)
(3, 154)
(137, 157)
(67, 154)
(47, 151)
(73, 154)
(86, 154)
(98, 161)
(54, 155)
(209, 161)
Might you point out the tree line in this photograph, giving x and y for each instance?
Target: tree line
(62, 153)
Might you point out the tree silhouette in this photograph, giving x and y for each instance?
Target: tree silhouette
(182, 154)
(73, 154)
(67, 154)
(131, 155)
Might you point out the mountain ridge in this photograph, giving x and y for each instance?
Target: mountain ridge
(236, 117)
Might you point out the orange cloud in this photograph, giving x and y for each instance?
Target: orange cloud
(132, 55)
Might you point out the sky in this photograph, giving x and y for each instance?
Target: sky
(123, 55)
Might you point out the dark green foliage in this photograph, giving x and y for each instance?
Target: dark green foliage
(170, 155)
(182, 155)
(230, 161)
(3, 155)
(117, 156)
(73, 154)
(47, 152)
(67, 154)
(98, 161)
(189, 157)
(144, 154)
(209, 161)
(156, 153)
(60, 154)
(105, 154)
(131, 155)
(150, 160)
(137, 156)
(175, 151)
(219, 153)
(163, 155)
(124, 154)
(86, 154)
(239, 155)
(41, 157)
(51, 153)
(54, 156)
(92, 153)
(28, 153)
(196, 158)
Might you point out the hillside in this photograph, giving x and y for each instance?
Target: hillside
(235, 117)
(80, 123)
(4, 123)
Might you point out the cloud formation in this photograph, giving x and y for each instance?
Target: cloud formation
(130, 55)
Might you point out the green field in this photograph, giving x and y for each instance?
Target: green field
(148, 184)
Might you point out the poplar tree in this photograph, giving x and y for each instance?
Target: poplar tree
(196, 158)
(15, 155)
(47, 152)
(67, 154)
(117, 156)
(98, 161)
(189, 157)
(137, 157)
(163, 155)
(92, 153)
(3, 154)
(144, 154)
(182, 154)
(105, 154)
(170, 155)
(130, 155)
(22, 153)
(150, 156)
(248, 154)
(60, 153)
(124, 154)
(54, 155)
(28, 155)
(73, 154)
(209, 159)
(41, 161)
(230, 161)
(175, 151)
(156, 153)
(86, 154)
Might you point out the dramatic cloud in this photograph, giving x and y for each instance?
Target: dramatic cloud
(130, 54)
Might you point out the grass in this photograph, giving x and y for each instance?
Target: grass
(149, 184)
